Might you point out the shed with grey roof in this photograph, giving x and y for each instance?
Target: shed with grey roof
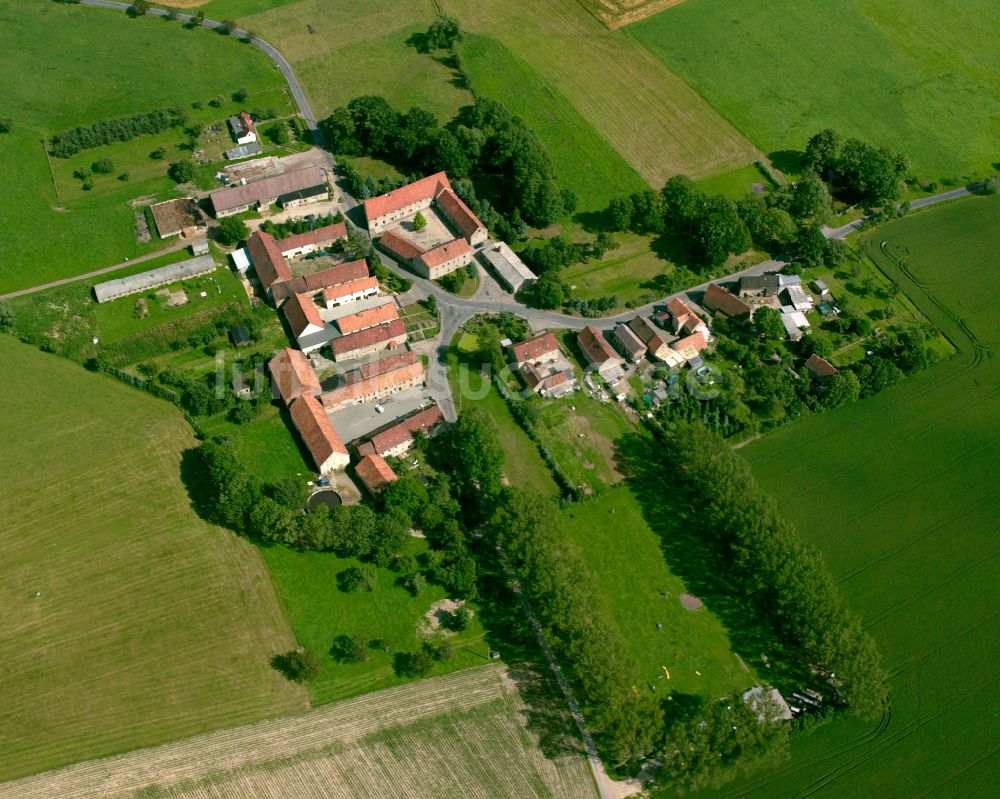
(172, 273)
(510, 270)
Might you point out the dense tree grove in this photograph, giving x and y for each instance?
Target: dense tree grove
(785, 578)
(86, 137)
(866, 174)
(485, 142)
(589, 645)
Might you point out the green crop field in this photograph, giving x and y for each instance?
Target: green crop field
(584, 161)
(650, 116)
(612, 533)
(902, 498)
(919, 76)
(355, 52)
(104, 70)
(127, 620)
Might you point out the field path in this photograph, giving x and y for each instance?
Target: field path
(402, 742)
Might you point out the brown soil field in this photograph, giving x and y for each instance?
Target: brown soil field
(618, 13)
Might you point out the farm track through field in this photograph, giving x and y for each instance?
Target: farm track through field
(903, 667)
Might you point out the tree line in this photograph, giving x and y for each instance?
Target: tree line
(108, 131)
(485, 141)
(785, 578)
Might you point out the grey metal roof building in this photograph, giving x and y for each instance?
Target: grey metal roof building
(510, 270)
(133, 284)
(243, 151)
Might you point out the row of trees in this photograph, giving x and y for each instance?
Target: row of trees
(484, 141)
(86, 137)
(784, 577)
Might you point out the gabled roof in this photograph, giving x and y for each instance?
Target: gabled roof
(268, 262)
(459, 213)
(350, 287)
(399, 246)
(643, 329)
(677, 307)
(595, 347)
(341, 273)
(629, 340)
(423, 189)
(293, 375)
(366, 338)
(445, 253)
(173, 216)
(333, 232)
(367, 318)
(820, 366)
(379, 383)
(267, 189)
(718, 299)
(375, 473)
(535, 348)
(301, 311)
(694, 343)
(311, 420)
(381, 365)
(403, 430)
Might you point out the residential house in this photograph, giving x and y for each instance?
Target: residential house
(683, 321)
(443, 260)
(689, 347)
(292, 376)
(244, 131)
(318, 281)
(312, 240)
(720, 301)
(370, 317)
(543, 348)
(374, 473)
(629, 343)
(400, 247)
(376, 386)
(396, 439)
(351, 291)
(307, 326)
(387, 210)
(759, 285)
(656, 343)
(261, 193)
(268, 262)
(599, 354)
(820, 368)
(316, 431)
(369, 341)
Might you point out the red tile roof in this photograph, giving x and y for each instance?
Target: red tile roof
(399, 246)
(268, 262)
(535, 348)
(385, 364)
(595, 347)
(459, 213)
(445, 253)
(820, 366)
(381, 383)
(292, 373)
(369, 317)
(720, 300)
(333, 232)
(313, 423)
(331, 293)
(301, 311)
(366, 338)
(695, 340)
(404, 429)
(375, 473)
(425, 188)
(341, 273)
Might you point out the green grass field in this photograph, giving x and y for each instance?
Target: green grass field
(355, 53)
(584, 161)
(634, 580)
(151, 625)
(902, 499)
(320, 611)
(920, 76)
(104, 70)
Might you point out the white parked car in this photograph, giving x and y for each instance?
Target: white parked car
(380, 409)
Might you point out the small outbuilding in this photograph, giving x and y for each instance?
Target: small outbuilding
(240, 336)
